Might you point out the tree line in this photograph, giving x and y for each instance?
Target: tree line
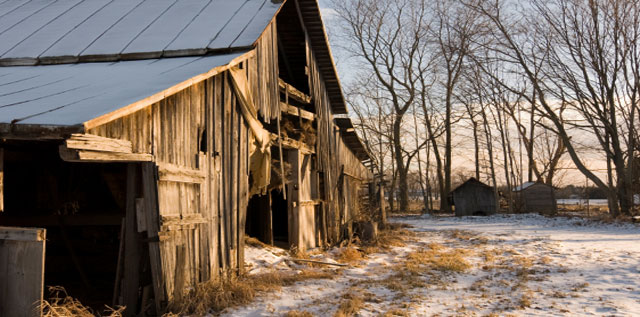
(536, 83)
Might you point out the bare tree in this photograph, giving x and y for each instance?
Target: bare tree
(389, 37)
(575, 54)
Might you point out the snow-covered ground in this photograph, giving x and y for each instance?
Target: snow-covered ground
(503, 265)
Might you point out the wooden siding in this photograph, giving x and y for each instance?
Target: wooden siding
(335, 160)
(202, 195)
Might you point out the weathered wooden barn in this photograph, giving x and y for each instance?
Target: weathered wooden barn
(145, 137)
(536, 197)
(473, 198)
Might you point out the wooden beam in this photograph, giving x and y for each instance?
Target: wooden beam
(289, 143)
(293, 92)
(22, 234)
(174, 173)
(98, 143)
(73, 155)
(296, 111)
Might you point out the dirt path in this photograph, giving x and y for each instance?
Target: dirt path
(477, 266)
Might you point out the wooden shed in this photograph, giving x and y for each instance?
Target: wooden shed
(144, 138)
(473, 198)
(536, 197)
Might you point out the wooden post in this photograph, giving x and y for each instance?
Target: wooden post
(150, 193)
(131, 281)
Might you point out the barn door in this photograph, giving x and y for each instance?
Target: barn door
(302, 217)
(179, 202)
(21, 271)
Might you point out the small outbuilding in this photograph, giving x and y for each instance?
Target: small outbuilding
(473, 198)
(536, 197)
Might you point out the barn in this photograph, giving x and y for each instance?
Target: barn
(140, 140)
(473, 198)
(536, 197)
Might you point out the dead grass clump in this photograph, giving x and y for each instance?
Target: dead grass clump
(440, 260)
(351, 305)
(251, 241)
(350, 255)
(525, 300)
(396, 312)
(297, 313)
(214, 296)
(467, 235)
(61, 304)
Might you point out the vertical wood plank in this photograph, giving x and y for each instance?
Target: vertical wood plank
(21, 271)
(150, 195)
(131, 248)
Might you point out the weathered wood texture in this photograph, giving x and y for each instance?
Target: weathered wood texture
(21, 271)
(200, 143)
(334, 160)
(195, 193)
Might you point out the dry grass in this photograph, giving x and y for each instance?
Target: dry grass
(350, 255)
(467, 236)
(351, 304)
(298, 313)
(62, 305)
(214, 296)
(439, 259)
(251, 241)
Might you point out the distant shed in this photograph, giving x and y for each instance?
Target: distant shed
(536, 197)
(473, 197)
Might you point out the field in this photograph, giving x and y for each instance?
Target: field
(503, 265)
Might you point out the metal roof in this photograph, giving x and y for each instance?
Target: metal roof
(71, 94)
(69, 31)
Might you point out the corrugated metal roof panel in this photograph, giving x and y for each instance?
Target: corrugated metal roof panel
(50, 31)
(71, 94)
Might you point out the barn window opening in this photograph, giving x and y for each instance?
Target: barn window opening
(292, 50)
(81, 206)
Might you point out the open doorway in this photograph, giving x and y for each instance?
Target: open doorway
(81, 206)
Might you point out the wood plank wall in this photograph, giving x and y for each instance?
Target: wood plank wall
(201, 145)
(197, 132)
(335, 159)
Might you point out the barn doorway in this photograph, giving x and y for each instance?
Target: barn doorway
(81, 206)
(280, 219)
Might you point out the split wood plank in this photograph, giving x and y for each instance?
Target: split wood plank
(174, 173)
(293, 92)
(98, 143)
(72, 155)
(296, 111)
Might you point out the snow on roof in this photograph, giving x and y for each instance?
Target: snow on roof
(67, 31)
(71, 94)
